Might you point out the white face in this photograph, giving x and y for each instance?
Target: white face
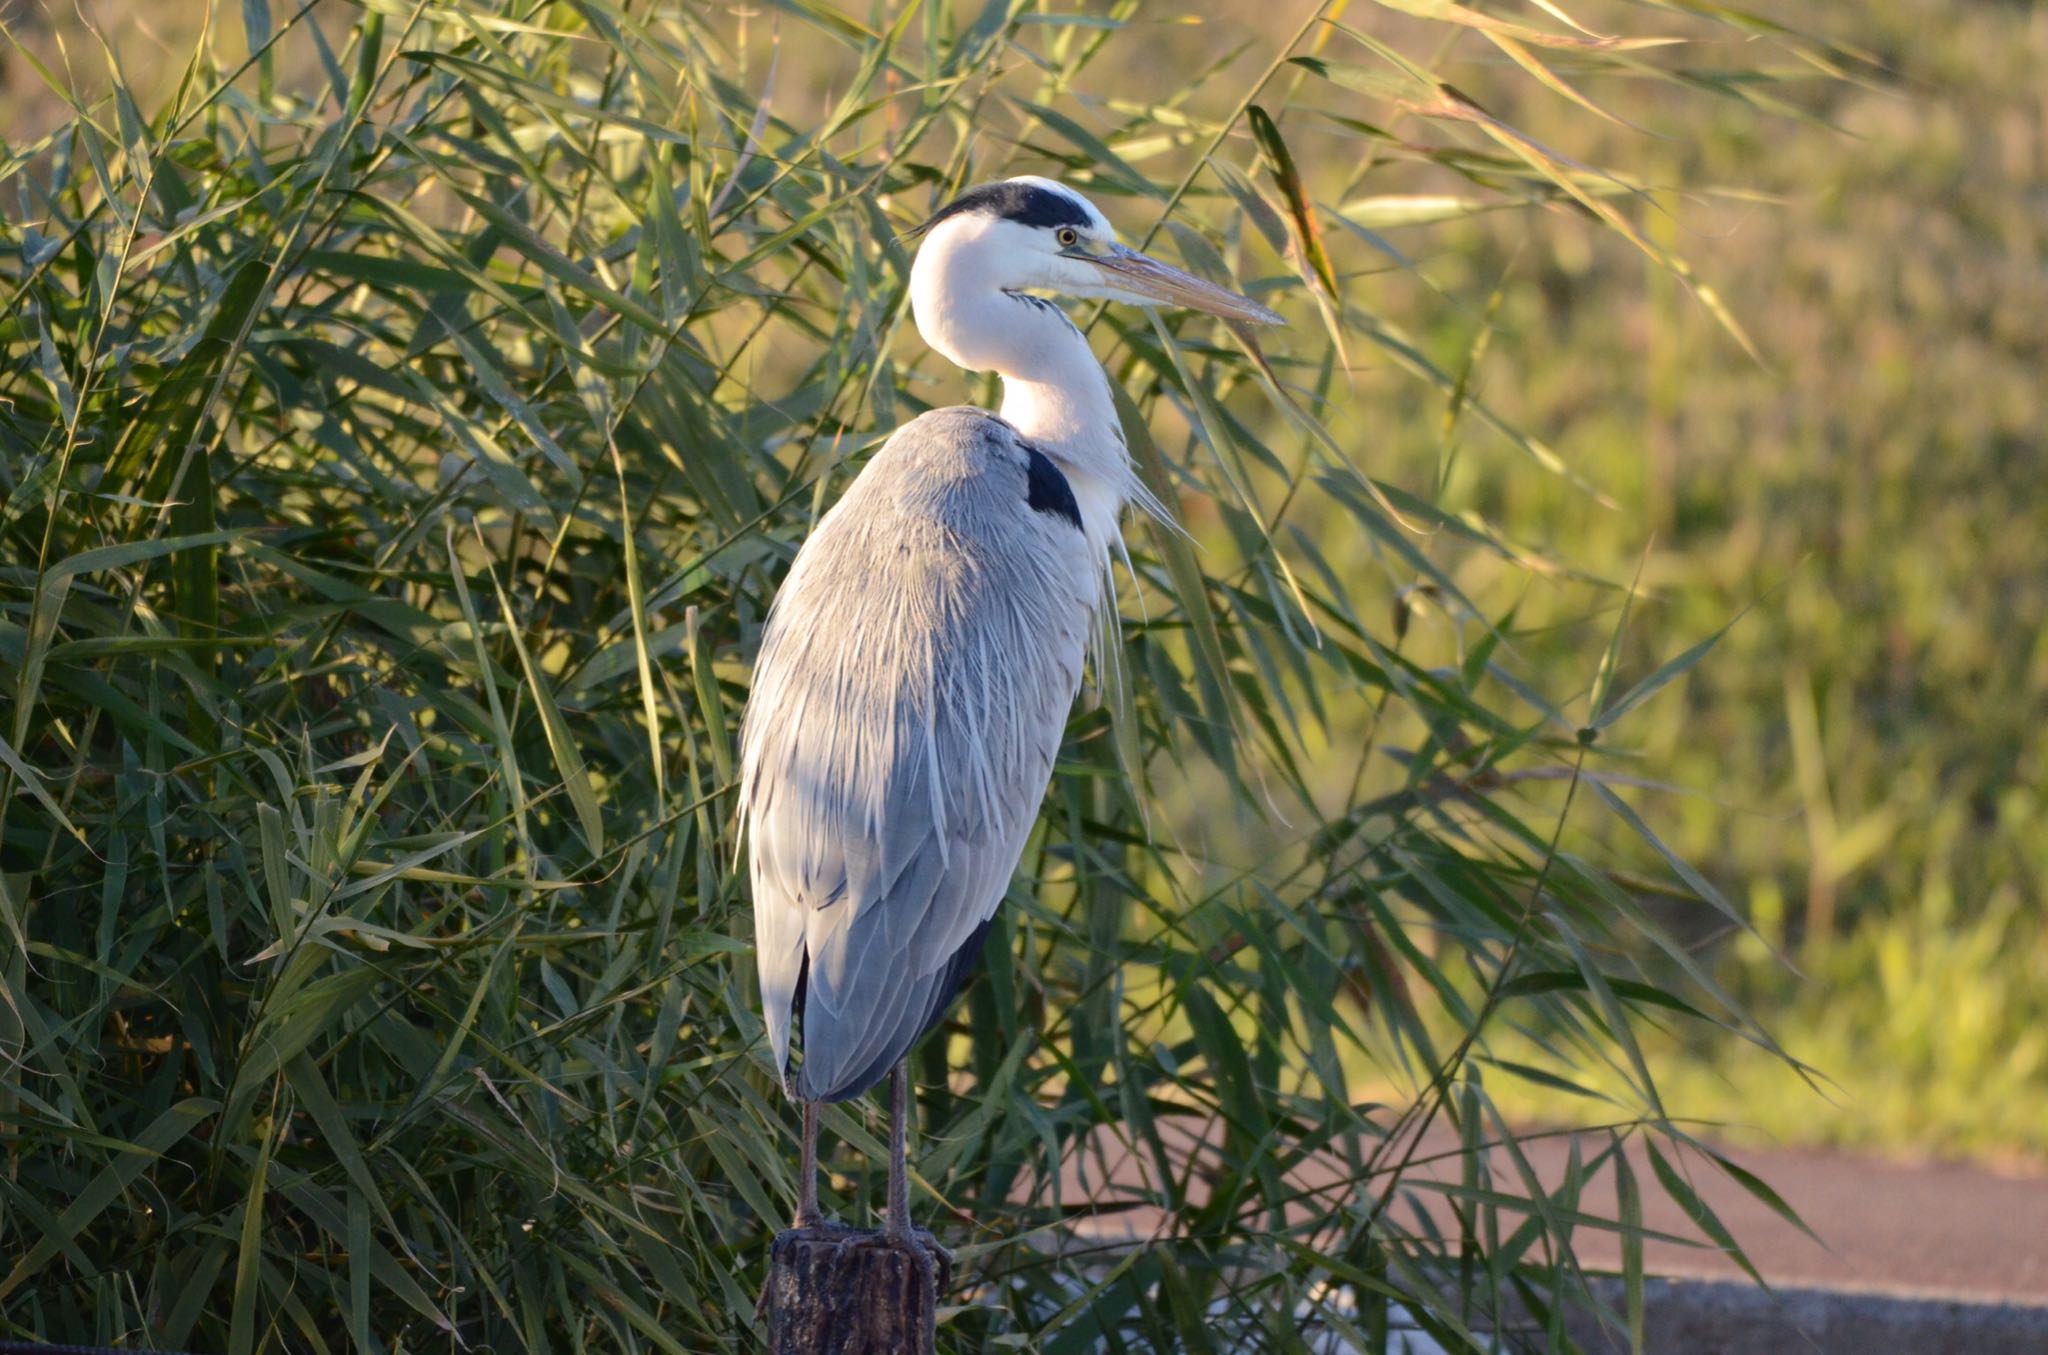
(1030, 233)
(1058, 259)
(1055, 253)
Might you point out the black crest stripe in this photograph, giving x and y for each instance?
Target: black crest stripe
(1025, 203)
(1046, 490)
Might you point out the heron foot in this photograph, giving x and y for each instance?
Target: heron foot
(934, 1263)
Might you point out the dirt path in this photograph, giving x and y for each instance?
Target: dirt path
(1933, 1228)
(1942, 1227)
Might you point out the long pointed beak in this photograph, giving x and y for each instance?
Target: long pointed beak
(1142, 275)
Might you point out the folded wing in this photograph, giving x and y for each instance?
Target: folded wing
(913, 682)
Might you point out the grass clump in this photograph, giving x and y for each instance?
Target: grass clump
(406, 429)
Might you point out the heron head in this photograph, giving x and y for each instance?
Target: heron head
(1030, 233)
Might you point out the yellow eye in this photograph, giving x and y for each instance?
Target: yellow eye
(1067, 236)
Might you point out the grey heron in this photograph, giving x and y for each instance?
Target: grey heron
(917, 665)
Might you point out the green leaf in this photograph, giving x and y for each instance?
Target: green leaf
(1308, 234)
(1695, 881)
(1097, 150)
(1664, 674)
(32, 781)
(1686, 1198)
(131, 553)
(568, 760)
(1757, 1187)
(1629, 1206)
(157, 1138)
(249, 1254)
(256, 24)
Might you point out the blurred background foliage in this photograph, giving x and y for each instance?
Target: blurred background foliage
(374, 970)
(1863, 752)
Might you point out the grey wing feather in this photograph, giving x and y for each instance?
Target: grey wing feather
(913, 682)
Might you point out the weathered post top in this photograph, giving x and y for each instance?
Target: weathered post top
(848, 1291)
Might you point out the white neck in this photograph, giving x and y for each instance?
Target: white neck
(1062, 406)
(1054, 391)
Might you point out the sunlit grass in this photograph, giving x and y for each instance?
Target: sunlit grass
(1931, 1026)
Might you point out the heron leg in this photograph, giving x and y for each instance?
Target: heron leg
(807, 1212)
(896, 1226)
(896, 1230)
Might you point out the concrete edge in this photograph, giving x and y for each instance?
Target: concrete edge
(1726, 1317)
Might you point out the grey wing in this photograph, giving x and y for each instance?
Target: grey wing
(909, 697)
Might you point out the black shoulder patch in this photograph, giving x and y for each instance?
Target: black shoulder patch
(1045, 489)
(1024, 203)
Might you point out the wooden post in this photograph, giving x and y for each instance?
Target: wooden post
(845, 1291)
